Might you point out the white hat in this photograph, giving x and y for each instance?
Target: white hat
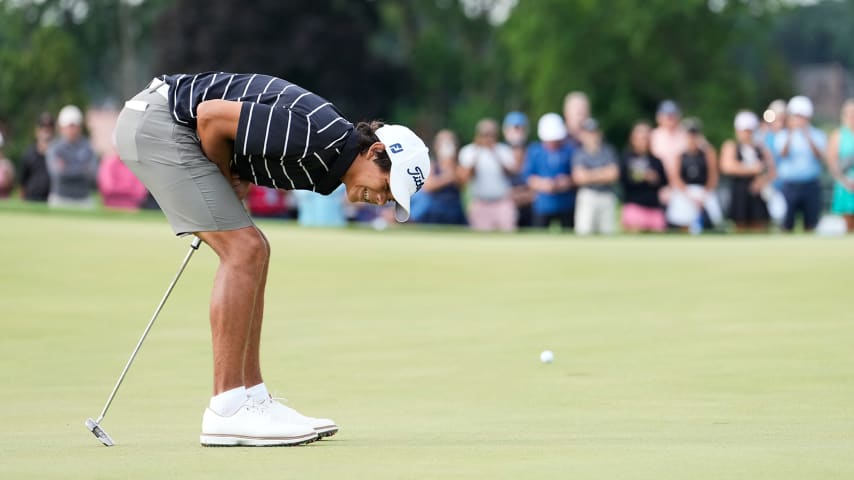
(800, 105)
(410, 165)
(551, 128)
(746, 121)
(69, 115)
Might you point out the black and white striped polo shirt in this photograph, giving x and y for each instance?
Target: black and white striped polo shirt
(287, 137)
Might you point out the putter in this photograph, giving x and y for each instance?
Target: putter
(94, 426)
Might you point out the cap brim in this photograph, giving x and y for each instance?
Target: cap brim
(398, 182)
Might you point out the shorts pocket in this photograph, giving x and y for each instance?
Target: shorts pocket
(125, 135)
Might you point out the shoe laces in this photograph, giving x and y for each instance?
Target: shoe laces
(259, 406)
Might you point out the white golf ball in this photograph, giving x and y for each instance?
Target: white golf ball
(547, 356)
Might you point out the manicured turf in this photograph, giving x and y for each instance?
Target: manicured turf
(676, 357)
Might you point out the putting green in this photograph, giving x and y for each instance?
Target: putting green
(675, 357)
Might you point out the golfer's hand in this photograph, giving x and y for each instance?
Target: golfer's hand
(241, 187)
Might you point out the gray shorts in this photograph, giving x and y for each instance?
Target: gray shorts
(168, 159)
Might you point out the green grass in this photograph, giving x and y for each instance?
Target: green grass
(676, 357)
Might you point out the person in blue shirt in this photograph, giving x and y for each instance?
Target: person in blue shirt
(801, 149)
(773, 122)
(441, 203)
(548, 170)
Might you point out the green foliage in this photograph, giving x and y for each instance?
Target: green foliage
(456, 66)
(628, 55)
(819, 33)
(39, 73)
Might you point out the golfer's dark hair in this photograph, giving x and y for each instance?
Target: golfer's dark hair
(367, 132)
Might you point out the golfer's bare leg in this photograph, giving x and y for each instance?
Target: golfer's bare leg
(243, 257)
(251, 360)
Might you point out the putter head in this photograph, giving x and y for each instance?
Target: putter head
(99, 432)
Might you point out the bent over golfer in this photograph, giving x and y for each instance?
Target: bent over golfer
(197, 141)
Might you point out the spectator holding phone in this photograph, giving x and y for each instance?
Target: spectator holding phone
(801, 147)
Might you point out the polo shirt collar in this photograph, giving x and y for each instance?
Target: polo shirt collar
(332, 179)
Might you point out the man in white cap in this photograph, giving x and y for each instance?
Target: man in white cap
(197, 141)
(801, 149)
(71, 163)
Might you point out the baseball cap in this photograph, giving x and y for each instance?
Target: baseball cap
(800, 105)
(69, 115)
(777, 106)
(669, 107)
(746, 121)
(410, 165)
(515, 119)
(550, 128)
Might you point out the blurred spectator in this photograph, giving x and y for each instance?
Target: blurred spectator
(576, 109)
(595, 171)
(515, 131)
(7, 173)
(801, 148)
(668, 140)
(316, 210)
(695, 205)
(487, 167)
(267, 202)
(548, 170)
(441, 202)
(34, 179)
(71, 163)
(840, 160)
(773, 120)
(752, 169)
(119, 187)
(642, 177)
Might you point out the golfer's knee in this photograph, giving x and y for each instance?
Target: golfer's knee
(246, 248)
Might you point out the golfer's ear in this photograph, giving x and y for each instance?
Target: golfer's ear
(218, 118)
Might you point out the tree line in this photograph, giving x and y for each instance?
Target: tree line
(427, 63)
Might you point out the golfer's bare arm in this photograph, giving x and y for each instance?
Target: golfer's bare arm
(216, 124)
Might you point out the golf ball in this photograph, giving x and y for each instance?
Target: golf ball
(547, 356)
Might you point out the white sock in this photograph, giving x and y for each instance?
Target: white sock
(228, 402)
(258, 392)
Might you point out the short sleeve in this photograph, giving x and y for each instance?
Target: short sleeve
(467, 156)
(505, 154)
(528, 168)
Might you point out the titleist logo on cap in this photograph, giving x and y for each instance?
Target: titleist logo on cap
(417, 176)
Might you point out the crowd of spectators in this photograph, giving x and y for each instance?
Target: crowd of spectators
(669, 177)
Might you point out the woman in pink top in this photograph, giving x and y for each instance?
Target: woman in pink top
(119, 187)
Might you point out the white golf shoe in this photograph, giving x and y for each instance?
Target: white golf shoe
(323, 426)
(254, 424)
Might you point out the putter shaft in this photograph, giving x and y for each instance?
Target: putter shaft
(94, 426)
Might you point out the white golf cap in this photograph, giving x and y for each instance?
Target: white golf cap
(410, 165)
(551, 128)
(746, 121)
(800, 105)
(69, 115)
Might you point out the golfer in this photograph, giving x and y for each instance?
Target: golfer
(197, 141)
